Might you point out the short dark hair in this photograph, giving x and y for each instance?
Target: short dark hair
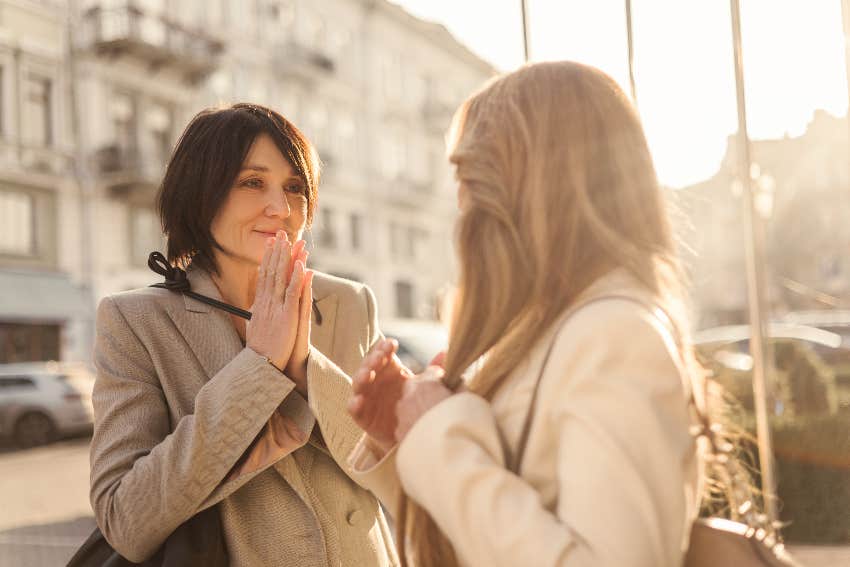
(204, 165)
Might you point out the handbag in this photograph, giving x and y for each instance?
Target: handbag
(714, 542)
(198, 541)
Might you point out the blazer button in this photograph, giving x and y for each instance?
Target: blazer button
(354, 517)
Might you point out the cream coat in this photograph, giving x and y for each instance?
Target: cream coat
(178, 401)
(609, 477)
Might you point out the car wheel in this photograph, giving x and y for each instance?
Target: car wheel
(33, 429)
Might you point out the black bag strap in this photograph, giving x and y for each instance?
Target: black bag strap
(176, 280)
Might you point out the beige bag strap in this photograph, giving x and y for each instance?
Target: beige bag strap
(516, 462)
(702, 417)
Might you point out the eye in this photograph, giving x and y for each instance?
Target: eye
(252, 182)
(296, 188)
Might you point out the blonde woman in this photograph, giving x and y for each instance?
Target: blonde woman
(565, 251)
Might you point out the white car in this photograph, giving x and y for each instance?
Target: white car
(418, 340)
(43, 401)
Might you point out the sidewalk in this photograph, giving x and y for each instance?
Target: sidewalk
(821, 555)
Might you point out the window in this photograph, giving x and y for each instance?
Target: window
(17, 223)
(392, 156)
(145, 234)
(38, 125)
(122, 110)
(344, 140)
(21, 342)
(356, 231)
(158, 123)
(314, 31)
(327, 234)
(281, 13)
(288, 103)
(2, 100)
(403, 299)
(317, 122)
(396, 233)
(391, 71)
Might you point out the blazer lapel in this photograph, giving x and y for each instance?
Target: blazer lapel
(213, 338)
(322, 333)
(208, 331)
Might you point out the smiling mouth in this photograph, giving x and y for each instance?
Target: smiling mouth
(273, 233)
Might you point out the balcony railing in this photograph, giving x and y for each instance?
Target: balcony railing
(127, 30)
(126, 172)
(292, 58)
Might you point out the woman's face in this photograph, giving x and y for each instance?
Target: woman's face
(268, 196)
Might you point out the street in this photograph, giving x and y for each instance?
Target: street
(46, 514)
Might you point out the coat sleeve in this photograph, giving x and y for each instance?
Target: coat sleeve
(613, 412)
(329, 389)
(148, 477)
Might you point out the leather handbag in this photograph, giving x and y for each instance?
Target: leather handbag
(714, 542)
(198, 541)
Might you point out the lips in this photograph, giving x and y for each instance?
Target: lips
(272, 233)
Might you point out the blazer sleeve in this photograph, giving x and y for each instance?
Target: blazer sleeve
(329, 390)
(612, 407)
(147, 477)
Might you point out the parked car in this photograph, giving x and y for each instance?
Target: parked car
(418, 341)
(802, 361)
(836, 321)
(43, 401)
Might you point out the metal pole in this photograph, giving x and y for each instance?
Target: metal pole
(630, 38)
(845, 17)
(755, 245)
(525, 31)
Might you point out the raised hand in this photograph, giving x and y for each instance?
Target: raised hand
(273, 328)
(377, 386)
(296, 368)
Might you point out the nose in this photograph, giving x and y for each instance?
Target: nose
(277, 205)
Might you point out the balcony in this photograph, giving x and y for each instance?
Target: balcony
(294, 59)
(42, 159)
(127, 31)
(128, 174)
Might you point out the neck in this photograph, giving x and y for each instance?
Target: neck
(236, 280)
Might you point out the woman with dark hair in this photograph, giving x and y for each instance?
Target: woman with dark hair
(195, 406)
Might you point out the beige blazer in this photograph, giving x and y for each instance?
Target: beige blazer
(609, 477)
(178, 401)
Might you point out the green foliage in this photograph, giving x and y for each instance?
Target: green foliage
(802, 383)
(813, 476)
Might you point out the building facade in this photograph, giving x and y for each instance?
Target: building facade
(95, 93)
(802, 187)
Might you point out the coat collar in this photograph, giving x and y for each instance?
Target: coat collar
(212, 336)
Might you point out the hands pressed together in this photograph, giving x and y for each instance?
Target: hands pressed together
(388, 399)
(279, 328)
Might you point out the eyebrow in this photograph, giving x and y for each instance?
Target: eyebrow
(264, 169)
(255, 168)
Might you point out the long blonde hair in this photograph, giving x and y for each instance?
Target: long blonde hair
(559, 188)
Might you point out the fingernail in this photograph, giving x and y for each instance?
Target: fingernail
(269, 241)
